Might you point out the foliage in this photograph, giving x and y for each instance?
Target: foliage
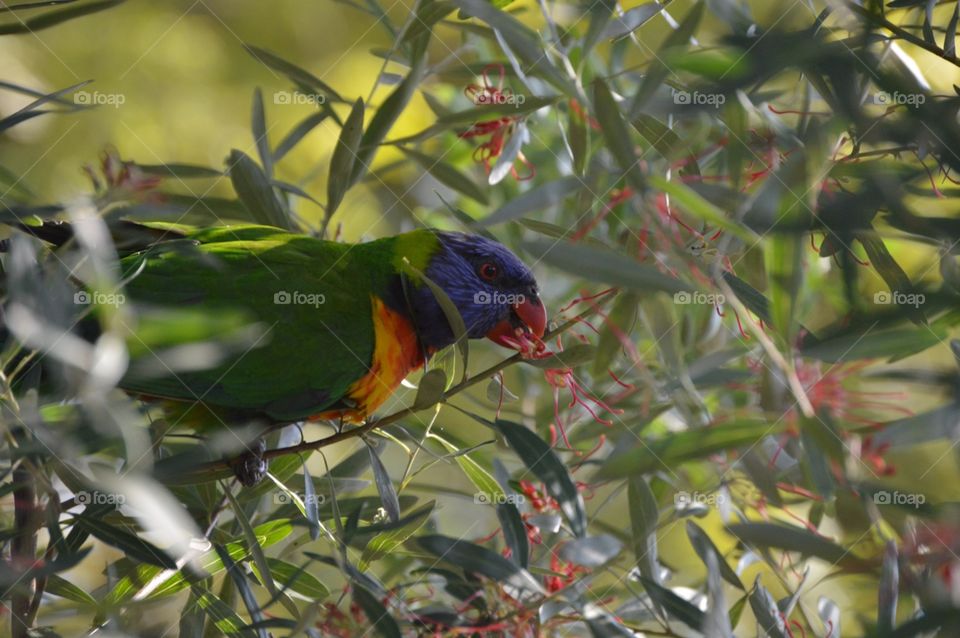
(788, 414)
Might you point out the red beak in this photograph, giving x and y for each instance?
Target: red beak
(533, 316)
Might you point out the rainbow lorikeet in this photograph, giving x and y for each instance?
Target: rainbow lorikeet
(344, 323)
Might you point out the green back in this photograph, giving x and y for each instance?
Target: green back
(310, 355)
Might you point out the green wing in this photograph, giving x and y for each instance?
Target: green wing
(309, 353)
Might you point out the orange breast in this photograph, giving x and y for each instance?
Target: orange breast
(396, 354)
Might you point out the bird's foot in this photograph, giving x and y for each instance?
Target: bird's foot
(250, 467)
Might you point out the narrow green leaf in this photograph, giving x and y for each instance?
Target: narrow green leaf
(698, 206)
(431, 388)
(297, 133)
(547, 466)
(615, 133)
(658, 71)
(253, 543)
(766, 611)
(243, 587)
(388, 495)
(703, 545)
(381, 620)
(644, 516)
(344, 157)
(447, 175)
(536, 199)
(667, 452)
(477, 559)
(297, 579)
(258, 125)
(384, 119)
(514, 533)
(794, 539)
(256, 192)
(53, 18)
(675, 606)
(292, 71)
(604, 266)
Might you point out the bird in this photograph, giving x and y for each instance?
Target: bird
(344, 324)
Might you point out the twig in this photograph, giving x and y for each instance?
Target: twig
(903, 33)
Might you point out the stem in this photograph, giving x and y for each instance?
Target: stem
(23, 548)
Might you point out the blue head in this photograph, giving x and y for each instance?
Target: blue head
(495, 292)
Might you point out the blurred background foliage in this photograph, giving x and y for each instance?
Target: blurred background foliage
(808, 460)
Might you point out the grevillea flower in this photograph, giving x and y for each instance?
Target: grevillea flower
(564, 573)
(119, 177)
(933, 546)
(499, 129)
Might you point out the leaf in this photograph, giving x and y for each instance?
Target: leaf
(292, 71)
(31, 110)
(604, 266)
(896, 343)
(383, 623)
(180, 171)
(536, 199)
(658, 71)
(297, 133)
(256, 192)
(514, 533)
(447, 175)
(888, 590)
(674, 605)
(311, 506)
(58, 586)
(344, 157)
(243, 587)
(950, 37)
(696, 205)
(226, 620)
(766, 611)
(669, 451)
(477, 114)
(793, 539)
(481, 479)
(631, 20)
(267, 534)
(591, 551)
(253, 543)
(522, 42)
(547, 466)
(383, 120)
(128, 543)
(386, 542)
(450, 312)
(508, 154)
(430, 390)
(297, 579)
(703, 545)
(473, 558)
(617, 136)
(258, 125)
(617, 325)
(388, 495)
(644, 516)
(53, 18)
(670, 145)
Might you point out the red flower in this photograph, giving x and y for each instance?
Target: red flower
(500, 129)
(125, 178)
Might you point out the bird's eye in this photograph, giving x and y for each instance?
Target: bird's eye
(489, 271)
